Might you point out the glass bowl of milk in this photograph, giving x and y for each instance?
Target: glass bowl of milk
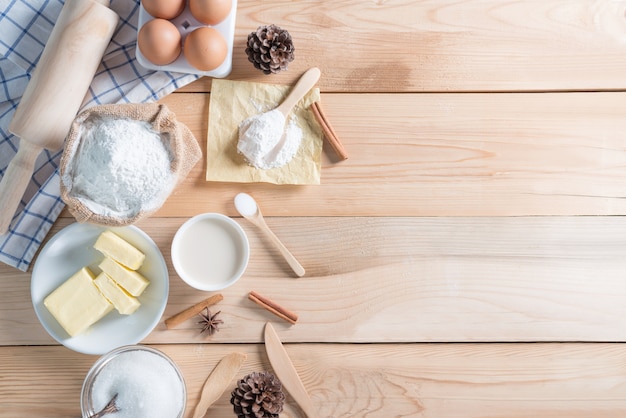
(210, 251)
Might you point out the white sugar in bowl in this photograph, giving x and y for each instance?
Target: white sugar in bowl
(145, 382)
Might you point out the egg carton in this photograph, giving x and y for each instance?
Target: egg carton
(186, 23)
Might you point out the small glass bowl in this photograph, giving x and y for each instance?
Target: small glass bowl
(86, 396)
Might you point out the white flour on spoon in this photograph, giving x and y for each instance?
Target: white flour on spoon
(266, 142)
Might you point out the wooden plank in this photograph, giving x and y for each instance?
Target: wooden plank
(421, 380)
(401, 280)
(449, 45)
(443, 155)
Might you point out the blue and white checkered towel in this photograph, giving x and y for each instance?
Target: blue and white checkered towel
(25, 27)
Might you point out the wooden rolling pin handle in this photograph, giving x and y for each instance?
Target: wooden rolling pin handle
(15, 181)
(55, 92)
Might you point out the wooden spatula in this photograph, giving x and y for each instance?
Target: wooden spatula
(302, 87)
(218, 381)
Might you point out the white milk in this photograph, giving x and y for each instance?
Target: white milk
(208, 252)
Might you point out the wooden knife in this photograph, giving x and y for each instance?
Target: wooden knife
(283, 367)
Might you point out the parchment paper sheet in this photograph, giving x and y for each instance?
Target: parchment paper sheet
(233, 101)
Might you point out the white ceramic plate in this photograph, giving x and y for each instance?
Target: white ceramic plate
(72, 248)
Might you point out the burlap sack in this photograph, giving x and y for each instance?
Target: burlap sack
(183, 146)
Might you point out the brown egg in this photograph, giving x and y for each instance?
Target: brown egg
(210, 12)
(205, 49)
(159, 41)
(164, 9)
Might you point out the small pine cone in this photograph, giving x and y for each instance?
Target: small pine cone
(270, 49)
(258, 395)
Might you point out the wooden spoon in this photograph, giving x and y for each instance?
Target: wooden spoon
(302, 87)
(247, 207)
(218, 381)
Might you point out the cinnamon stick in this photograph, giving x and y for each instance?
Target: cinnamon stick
(273, 307)
(329, 132)
(190, 312)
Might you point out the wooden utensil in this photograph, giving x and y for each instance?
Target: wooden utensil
(276, 134)
(55, 92)
(283, 367)
(218, 381)
(302, 87)
(248, 208)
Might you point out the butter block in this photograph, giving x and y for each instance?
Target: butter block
(120, 250)
(77, 303)
(122, 301)
(130, 280)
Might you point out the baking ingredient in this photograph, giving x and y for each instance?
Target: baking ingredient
(263, 139)
(259, 135)
(210, 12)
(81, 301)
(209, 321)
(245, 204)
(209, 251)
(147, 384)
(273, 307)
(77, 303)
(131, 281)
(159, 41)
(329, 132)
(120, 250)
(124, 303)
(205, 48)
(266, 142)
(122, 167)
(164, 9)
(182, 316)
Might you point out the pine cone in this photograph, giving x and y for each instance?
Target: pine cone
(270, 49)
(258, 395)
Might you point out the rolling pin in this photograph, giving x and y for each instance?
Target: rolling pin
(55, 92)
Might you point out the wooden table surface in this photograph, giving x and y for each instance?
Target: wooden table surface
(467, 260)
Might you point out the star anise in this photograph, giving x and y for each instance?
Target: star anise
(210, 322)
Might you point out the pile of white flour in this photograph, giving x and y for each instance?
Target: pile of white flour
(266, 142)
(122, 167)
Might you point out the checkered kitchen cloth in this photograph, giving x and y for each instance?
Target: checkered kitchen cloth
(24, 29)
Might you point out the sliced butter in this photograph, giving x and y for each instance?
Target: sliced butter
(122, 301)
(115, 247)
(77, 303)
(130, 280)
